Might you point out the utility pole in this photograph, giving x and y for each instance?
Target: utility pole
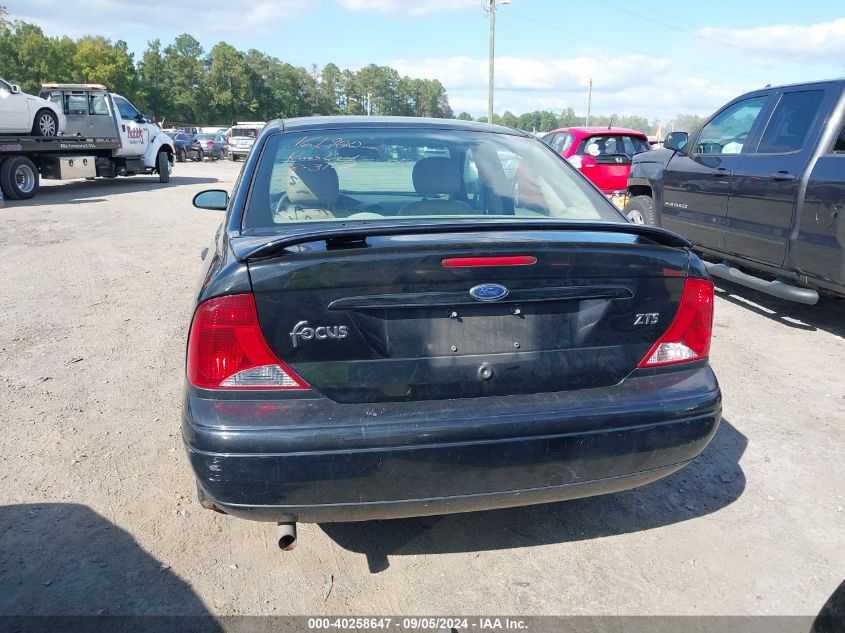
(490, 7)
(589, 102)
(491, 10)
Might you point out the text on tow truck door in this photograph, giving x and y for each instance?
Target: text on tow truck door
(134, 134)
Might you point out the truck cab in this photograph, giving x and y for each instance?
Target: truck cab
(94, 112)
(760, 186)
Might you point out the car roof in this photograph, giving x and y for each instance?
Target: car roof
(840, 83)
(358, 121)
(588, 131)
(803, 83)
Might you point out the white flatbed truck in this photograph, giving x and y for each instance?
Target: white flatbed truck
(106, 137)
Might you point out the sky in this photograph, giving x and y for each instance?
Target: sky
(646, 57)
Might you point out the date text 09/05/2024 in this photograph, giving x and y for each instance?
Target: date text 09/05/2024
(418, 623)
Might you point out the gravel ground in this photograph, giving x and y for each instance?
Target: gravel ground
(98, 505)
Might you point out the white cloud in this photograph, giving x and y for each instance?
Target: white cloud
(662, 97)
(407, 7)
(115, 19)
(824, 41)
(516, 73)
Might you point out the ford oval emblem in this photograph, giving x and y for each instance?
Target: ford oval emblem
(488, 292)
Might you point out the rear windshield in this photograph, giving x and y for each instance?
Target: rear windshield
(205, 137)
(607, 144)
(369, 175)
(249, 132)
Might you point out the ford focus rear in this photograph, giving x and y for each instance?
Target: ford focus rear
(389, 327)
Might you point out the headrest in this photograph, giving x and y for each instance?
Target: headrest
(312, 182)
(436, 175)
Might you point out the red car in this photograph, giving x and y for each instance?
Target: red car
(602, 154)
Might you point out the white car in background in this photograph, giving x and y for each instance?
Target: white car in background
(21, 113)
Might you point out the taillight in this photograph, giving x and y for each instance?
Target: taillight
(688, 337)
(227, 350)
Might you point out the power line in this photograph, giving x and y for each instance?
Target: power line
(687, 31)
(615, 45)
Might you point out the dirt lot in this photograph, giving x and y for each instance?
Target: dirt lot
(98, 506)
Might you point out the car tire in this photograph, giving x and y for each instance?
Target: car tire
(163, 164)
(233, 158)
(181, 155)
(640, 210)
(200, 156)
(46, 123)
(19, 178)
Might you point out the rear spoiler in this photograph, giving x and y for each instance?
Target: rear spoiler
(256, 247)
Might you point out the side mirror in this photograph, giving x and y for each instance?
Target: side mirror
(16, 89)
(214, 199)
(676, 141)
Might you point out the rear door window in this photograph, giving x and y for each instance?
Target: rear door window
(76, 104)
(97, 105)
(790, 122)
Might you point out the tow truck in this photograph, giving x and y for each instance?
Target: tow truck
(106, 136)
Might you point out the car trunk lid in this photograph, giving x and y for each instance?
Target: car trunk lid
(387, 317)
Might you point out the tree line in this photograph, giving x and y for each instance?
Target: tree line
(544, 121)
(181, 82)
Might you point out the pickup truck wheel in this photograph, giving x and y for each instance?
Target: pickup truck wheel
(163, 164)
(19, 178)
(46, 123)
(640, 210)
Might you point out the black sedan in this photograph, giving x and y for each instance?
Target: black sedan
(187, 147)
(379, 338)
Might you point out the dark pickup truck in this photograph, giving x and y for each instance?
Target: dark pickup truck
(759, 189)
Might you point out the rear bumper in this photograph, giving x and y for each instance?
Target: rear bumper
(315, 460)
